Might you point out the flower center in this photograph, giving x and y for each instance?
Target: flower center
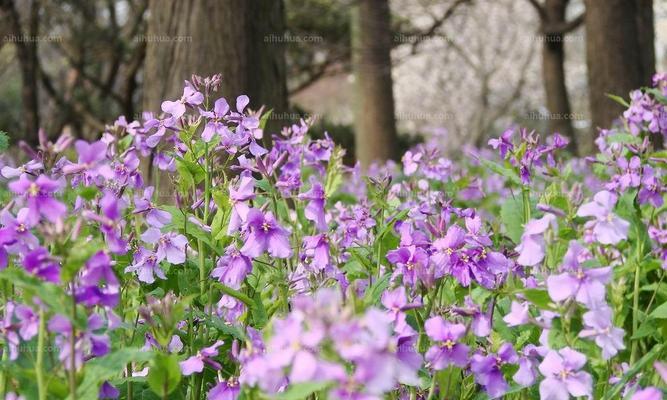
(266, 226)
(449, 344)
(564, 374)
(33, 190)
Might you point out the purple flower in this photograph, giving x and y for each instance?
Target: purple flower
(607, 227)
(85, 341)
(396, 301)
(239, 196)
(599, 327)
(649, 393)
(144, 205)
(108, 391)
(16, 231)
(29, 321)
(314, 211)
(170, 245)
(40, 263)
(316, 250)
(531, 248)
(487, 369)
(127, 170)
(562, 375)
(8, 332)
(177, 108)
(146, 265)
(481, 323)
(39, 196)
(92, 161)
(587, 286)
(629, 176)
(411, 263)
(98, 284)
(215, 125)
(203, 356)
(264, 233)
(31, 166)
(519, 314)
(232, 268)
(527, 372)
(651, 190)
(503, 143)
(225, 390)
(446, 349)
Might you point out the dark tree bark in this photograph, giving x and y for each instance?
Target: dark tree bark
(26, 41)
(619, 53)
(553, 27)
(375, 124)
(242, 39)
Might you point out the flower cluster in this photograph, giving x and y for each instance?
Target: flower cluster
(194, 254)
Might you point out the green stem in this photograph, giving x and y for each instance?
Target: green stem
(72, 343)
(39, 364)
(431, 391)
(635, 301)
(525, 193)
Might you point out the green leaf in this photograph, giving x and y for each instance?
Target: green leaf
(265, 118)
(299, 391)
(105, 368)
(4, 141)
(52, 295)
(660, 312)
(633, 371)
(79, 253)
(374, 292)
(647, 328)
(259, 316)
(502, 171)
(164, 374)
(511, 215)
(538, 297)
(618, 99)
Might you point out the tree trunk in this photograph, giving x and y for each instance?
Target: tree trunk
(375, 124)
(553, 72)
(619, 54)
(242, 39)
(26, 52)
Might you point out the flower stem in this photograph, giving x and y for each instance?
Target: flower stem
(72, 343)
(39, 368)
(635, 301)
(525, 193)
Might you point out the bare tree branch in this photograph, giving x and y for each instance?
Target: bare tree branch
(563, 27)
